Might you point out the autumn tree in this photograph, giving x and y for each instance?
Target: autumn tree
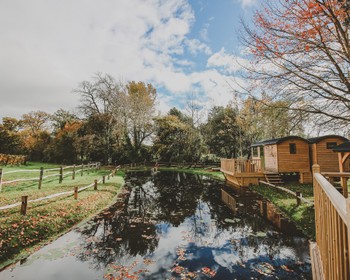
(301, 55)
(35, 134)
(139, 111)
(10, 140)
(64, 147)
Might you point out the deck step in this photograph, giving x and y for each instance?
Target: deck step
(274, 178)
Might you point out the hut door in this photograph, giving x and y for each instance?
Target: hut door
(270, 155)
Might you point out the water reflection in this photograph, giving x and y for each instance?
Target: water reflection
(176, 226)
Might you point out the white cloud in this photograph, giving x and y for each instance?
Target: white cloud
(49, 47)
(203, 33)
(247, 3)
(227, 62)
(195, 46)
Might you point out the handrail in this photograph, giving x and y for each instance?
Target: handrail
(337, 199)
(330, 255)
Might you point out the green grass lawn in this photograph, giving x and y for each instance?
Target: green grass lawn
(303, 215)
(47, 219)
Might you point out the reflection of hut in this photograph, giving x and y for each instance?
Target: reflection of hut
(285, 155)
(322, 152)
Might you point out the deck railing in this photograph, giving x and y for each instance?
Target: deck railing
(330, 254)
(234, 166)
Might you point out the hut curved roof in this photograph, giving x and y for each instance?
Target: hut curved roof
(320, 138)
(278, 141)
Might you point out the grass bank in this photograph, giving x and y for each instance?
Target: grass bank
(45, 220)
(303, 215)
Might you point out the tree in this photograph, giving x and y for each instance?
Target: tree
(170, 138)
(268, 119)
(60, 118)
(302, 55)
(10, 140)
(102, 100)
(139, 111)
(35, 122)
(176, 140)
(35, 134)
(223, 134)
(64, 147)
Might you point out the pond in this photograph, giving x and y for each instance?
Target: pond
(169, 225)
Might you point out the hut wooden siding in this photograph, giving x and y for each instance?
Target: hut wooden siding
(298, 162)
(326, 157)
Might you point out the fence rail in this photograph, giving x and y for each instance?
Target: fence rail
(330, 253)
(67, 193)
(41, 172)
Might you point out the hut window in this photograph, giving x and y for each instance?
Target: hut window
(331, 145)
(255, 151)
(292, 148)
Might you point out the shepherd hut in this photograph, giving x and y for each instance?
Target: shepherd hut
(322, 152)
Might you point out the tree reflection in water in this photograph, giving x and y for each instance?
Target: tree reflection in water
(175, 224)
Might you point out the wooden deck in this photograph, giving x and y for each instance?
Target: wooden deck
(242, 172)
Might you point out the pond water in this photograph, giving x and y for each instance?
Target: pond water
(169, 225)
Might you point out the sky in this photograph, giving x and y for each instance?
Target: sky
(182, 47)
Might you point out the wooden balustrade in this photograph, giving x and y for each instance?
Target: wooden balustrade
(234, 166)
(330, 254)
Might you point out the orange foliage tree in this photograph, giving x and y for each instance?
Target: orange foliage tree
(302, 55)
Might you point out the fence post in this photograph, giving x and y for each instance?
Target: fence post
(73, 174)
(298, 196)
(61, 174)
(24, 205)
(103, 179)
(95, 185)
(82, 169)
(108, 177)
(41, 177)
(75, 192)
(0, 179)
(88, 168)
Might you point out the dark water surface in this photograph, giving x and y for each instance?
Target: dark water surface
(175, 226)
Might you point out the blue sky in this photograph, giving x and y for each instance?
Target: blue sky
(182, 47)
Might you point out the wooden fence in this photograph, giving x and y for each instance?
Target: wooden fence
(330, 253)
(42, 174)
(75, 191)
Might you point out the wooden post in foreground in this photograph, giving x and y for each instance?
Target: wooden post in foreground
(347, 200)
(73, 174)
(41, 177)
(61, 174)
(95, 185)
(298, 196)
(75, 192)
(0, 179)
(104, 179)
(24, 204)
